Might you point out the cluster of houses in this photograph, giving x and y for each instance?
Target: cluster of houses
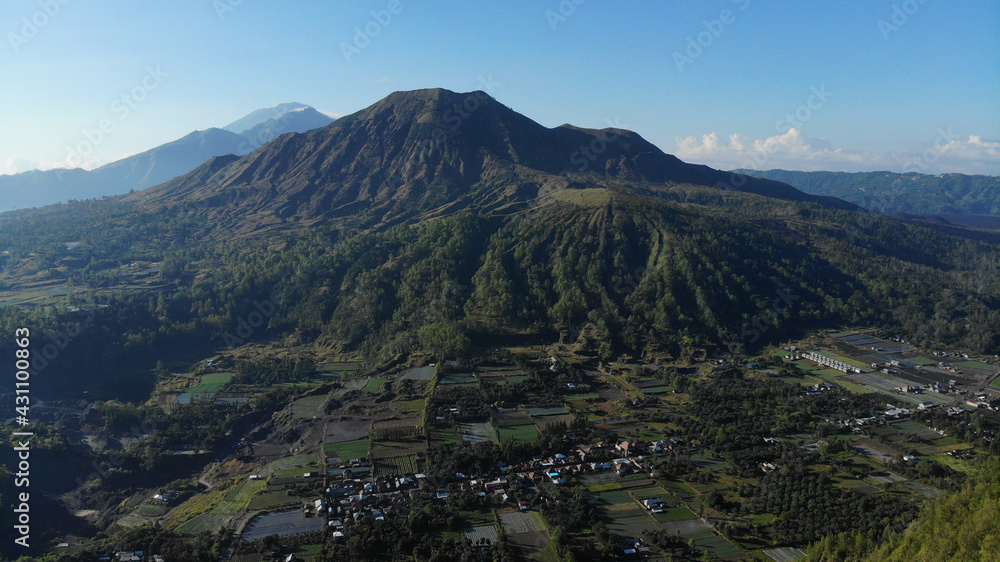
(131, 556)
(353, 495)
(830, 362)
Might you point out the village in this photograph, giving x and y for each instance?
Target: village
(497, 445)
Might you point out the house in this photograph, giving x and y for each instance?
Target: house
(925, 405)
(652, 503)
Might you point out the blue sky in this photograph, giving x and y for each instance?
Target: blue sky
(849, 85)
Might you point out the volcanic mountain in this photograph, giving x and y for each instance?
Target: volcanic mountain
(432, 220)
(158, 164)
(430, 153)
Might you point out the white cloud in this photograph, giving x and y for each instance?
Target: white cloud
(17, 165)
(795, 151)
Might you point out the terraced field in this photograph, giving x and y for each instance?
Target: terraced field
(348, 449)
(211, 383)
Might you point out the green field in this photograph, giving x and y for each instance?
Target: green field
(648, 492)
(447, 435)
(270, 500)
(152, 510)
(605, 487)
(658, 389)
(478, 518)
(228, 507)
(373, 385)
(396, 466)
(675, 514)
(197, 505)
(211, 383)
(245, 491)
(519, 433)
(837, 377)
(210, 522)
(612, 498)
(922, 361)
(409, 406)
(632, 526)
(975, 365)
(804, 366)
(349, 449)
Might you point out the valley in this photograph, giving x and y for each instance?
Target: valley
(659, 454)
(370, 330)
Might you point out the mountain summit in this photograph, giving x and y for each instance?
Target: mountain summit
(432, 152)
(158, 164)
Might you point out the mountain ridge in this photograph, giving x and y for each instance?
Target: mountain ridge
(156, 165)
(435, 151)
(889, 192)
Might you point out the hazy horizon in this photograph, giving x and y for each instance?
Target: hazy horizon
(894, 86)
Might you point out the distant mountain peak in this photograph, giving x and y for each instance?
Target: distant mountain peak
(160, 163)
(270, 114)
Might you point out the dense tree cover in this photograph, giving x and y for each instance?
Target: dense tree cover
(886, 192)
(420, 536)
(810, 507)
(148, 538)
(732, 413)
(960, 526)
(267, 371)
(631, 274)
